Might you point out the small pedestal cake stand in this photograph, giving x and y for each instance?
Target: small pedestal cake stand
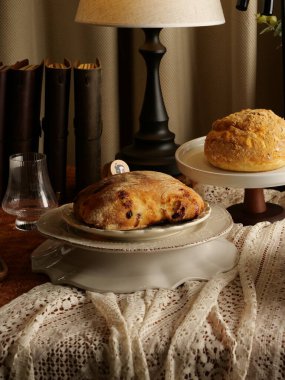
(192, 163)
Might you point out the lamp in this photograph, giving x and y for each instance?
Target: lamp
(154, 146)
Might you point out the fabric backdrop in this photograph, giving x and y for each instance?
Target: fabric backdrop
(207, 72)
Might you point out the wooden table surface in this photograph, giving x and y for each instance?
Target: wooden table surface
(16, 248)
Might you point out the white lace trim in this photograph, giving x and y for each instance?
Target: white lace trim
(231, 327)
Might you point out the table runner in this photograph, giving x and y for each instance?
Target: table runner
(231, 327)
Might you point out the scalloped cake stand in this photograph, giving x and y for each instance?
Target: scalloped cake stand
(192, 163)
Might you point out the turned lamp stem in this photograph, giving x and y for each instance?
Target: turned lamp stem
(154, 147)
(153, 114)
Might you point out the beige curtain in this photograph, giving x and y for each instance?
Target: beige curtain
(206, 73)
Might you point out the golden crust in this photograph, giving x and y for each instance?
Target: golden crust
(251, 140)
(135, 200)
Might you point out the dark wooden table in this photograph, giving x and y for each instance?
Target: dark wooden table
(16, 248)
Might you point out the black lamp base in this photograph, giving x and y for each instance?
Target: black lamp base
(155, 158)
(154, 147)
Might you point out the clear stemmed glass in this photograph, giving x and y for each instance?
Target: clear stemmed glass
(29, 192)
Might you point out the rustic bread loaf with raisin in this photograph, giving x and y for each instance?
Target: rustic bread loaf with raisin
(251, 140)
(136, 200)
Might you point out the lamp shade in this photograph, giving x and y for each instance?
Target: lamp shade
(150, 13)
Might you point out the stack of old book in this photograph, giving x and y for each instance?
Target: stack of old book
(21, 89)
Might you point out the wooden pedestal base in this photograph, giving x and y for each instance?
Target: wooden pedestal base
(255, 209)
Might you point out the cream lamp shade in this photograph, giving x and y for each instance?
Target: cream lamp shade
(150, 13)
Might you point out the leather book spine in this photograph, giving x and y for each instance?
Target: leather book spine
(87, 125)
(4, 154)
(55, 123)
(24, 94)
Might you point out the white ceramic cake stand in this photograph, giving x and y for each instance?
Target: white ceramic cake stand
(192, 163)
(71, 256)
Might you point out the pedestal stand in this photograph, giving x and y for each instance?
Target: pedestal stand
(254, 209)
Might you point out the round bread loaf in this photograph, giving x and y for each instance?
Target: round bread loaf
(135, 200)
(252, 140)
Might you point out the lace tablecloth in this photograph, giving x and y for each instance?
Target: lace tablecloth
(231, 327)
